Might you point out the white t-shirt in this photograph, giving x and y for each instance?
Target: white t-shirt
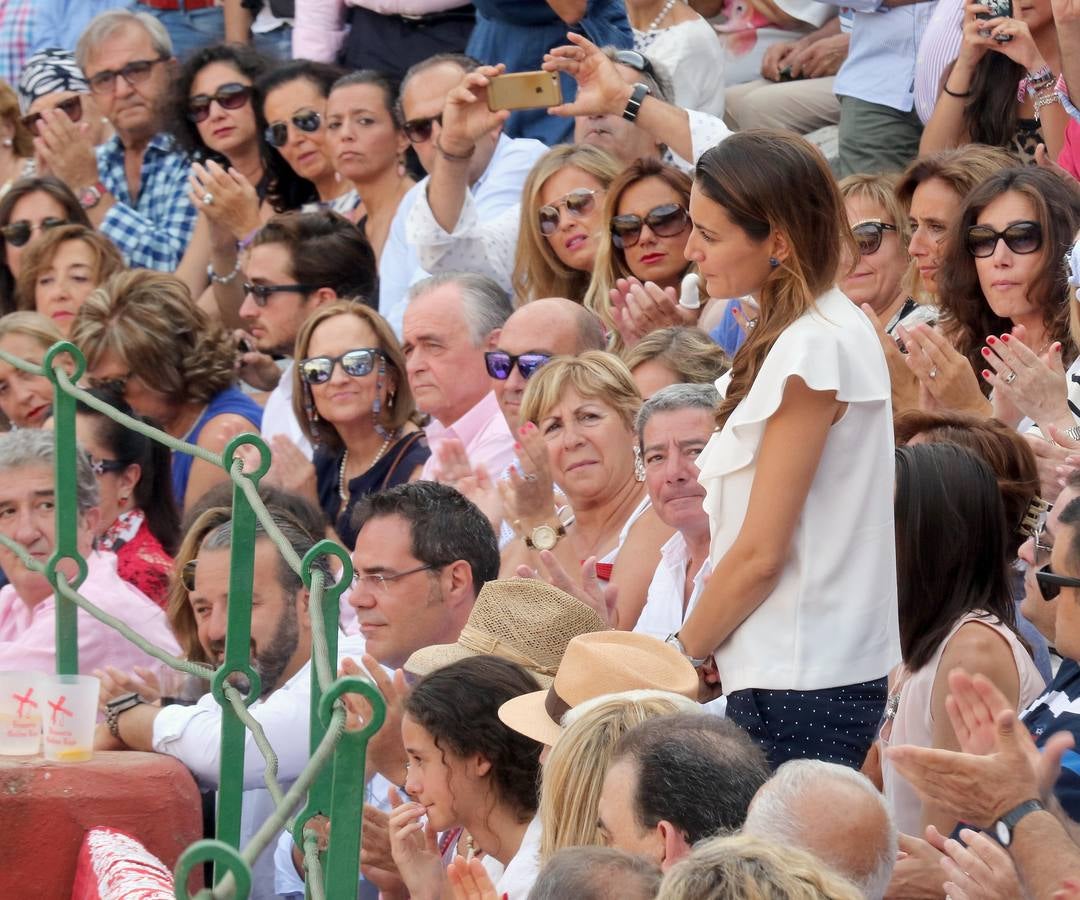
(693, 55)
(831, 620)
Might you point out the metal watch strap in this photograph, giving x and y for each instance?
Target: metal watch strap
(1073, 434)
(1006, 825)
(677, 643)
(118, 705)
(633, 105)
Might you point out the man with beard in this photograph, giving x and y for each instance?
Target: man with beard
(280, 654)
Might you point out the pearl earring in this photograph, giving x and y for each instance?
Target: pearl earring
(7, 142)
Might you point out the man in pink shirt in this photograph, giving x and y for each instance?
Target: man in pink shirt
(27, 604)
(450, 322)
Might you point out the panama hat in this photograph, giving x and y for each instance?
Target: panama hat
(596, 664)
(524, 620)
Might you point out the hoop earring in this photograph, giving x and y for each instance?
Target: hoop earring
(376, 407)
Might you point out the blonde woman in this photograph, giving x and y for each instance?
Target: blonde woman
(26, 399)
(574, 771)
(562, 220)
(141, 333)
(742, 867)
(62, 269)
(579, 435)
(676, 355)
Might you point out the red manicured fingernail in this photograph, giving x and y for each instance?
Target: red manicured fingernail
(985, 352)
(991, 340)
(986, 373)
(517, 446)
(1005, 338)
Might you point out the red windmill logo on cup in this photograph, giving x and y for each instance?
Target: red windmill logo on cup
(24, 701)
(58, 708)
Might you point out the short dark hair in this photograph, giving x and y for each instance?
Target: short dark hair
(445, 526)
(596, 873)
(698, 772)
(327, 250)
(458, 705)
(1070, 517)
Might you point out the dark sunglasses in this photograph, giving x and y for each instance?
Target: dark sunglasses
(277, 134)
(636, 61)
(663, 221)
(500, 363)
(1020, 237)
(357, 363)
(868, 236)
(578, 203)
(229, 96)
(19, 233)
(419, 130)
(133, 73)
(72, 107)
(261, 292)
(101, 466)
(1050, 583)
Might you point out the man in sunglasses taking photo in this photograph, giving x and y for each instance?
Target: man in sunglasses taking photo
(134, 187)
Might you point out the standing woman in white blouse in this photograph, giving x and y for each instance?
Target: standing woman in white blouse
(800, 612)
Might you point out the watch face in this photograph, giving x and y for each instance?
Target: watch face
(544, 537)
(1001, 830)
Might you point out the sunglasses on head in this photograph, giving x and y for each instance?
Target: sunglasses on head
(637, 61)
(229, 96)
(663, 221)
(19, 233)
(1020, 237)
(133, 73)
(1050, 583)
(101, 466)
(500, 363)
(578, 203)
(868, 236)
(277, 134)
(260, 293)
(72, 108)
(419, 130)
(357, 363)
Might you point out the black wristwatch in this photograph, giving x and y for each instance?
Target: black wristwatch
(1004, 827)
(119, 705)
(641, 91)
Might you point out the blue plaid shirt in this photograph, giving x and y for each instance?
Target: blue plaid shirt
(15, 36)
(153, 232)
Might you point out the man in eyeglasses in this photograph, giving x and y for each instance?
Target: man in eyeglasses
(134, 188)
(494, 173)
(531, 336)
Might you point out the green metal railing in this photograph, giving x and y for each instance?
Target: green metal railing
(337, 790)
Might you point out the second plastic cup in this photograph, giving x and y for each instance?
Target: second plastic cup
(21, 702)
(69, 717)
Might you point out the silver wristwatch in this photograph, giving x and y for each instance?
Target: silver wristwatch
(675, 642)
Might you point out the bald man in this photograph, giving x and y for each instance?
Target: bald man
(554, 326)
(833, 812)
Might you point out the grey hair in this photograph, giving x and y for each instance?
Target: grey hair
(771, 817)
(299, 538)
(37, 446)
(672, 398)
(104, 26)
(487, 306)
(596, 873)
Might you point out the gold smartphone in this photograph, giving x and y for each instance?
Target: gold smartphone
(524, 90)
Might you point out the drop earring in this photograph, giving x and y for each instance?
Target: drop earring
(401, 170)
(639, 465)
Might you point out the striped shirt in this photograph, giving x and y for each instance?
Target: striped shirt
(938, 50)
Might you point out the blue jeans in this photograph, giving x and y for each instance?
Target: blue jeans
(190, 30)
(276, 44)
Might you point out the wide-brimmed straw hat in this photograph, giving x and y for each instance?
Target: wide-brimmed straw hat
(594, 665)
(526, 621)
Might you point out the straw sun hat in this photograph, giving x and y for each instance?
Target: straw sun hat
(594, 665)
(521, 619)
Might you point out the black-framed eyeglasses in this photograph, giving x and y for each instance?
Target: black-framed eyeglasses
(113, 384)
(578, 203)
(1020, 237)
(229, 96)
(18, 233)
(419, 130)
(261, 292)
(500, 363)
(1050, 583)
(101, 466)
(72, 108)
(378, 580)
(868, 236)
(135, 72)
(667, 220)
(307, 121)
(637, 61)
(357, 363)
